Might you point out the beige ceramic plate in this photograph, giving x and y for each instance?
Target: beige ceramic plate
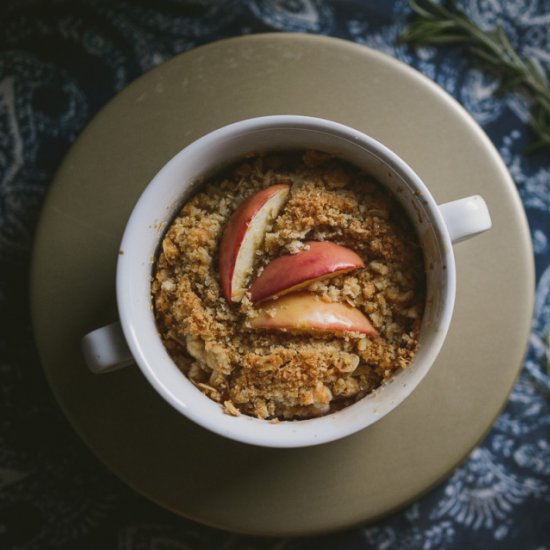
(224, 483)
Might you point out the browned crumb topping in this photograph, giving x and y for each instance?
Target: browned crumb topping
(280, 375)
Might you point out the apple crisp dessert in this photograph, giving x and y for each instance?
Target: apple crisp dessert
(290, 286)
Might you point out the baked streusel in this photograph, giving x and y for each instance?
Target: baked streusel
(282, 374)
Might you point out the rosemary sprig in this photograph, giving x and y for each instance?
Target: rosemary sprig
(445, 23)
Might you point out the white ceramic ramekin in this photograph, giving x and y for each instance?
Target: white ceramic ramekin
(438, 227)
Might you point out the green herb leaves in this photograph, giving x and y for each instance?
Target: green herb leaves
(445, 23)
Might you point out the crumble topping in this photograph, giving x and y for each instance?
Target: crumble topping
(281, 375)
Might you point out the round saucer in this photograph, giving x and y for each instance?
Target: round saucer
(224, 483)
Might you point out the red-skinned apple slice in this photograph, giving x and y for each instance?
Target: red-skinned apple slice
(243, 235)
(306, 312)
(316, 261)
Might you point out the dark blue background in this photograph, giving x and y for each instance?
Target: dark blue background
(60, 62)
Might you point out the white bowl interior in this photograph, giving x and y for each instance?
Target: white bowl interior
(180, 178)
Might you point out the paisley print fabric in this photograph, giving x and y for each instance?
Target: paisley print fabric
(60, 61)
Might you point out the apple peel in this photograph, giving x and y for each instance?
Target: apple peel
(243, 235)
(306, 312)
(316, 261)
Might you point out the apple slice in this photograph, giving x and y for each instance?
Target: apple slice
(306, 312)
(243, 235)
(318, 260)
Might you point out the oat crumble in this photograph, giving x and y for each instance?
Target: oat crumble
(279, 375)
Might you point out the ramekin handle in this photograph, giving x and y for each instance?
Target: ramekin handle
(466, 218)
(105, 349)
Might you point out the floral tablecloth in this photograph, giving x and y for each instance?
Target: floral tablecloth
(60, 61)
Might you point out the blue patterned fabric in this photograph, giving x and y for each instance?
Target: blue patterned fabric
(60, 61)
